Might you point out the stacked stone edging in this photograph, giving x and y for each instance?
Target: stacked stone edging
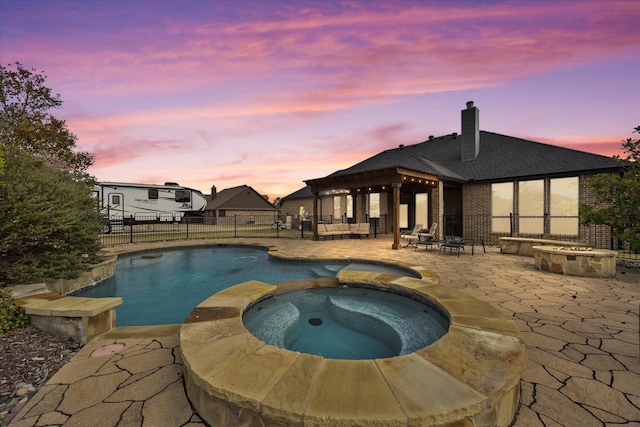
(583, 263)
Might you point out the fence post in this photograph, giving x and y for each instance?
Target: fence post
(510, 224)
(130, 232)
(187, 222)
(235, 225)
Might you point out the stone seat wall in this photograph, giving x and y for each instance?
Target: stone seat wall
(524, 245)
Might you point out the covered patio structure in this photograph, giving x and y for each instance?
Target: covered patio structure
(400, 184)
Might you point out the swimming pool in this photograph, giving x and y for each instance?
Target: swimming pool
(164, 289)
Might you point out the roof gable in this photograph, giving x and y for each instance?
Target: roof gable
(242, 197)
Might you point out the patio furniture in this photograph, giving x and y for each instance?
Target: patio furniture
(458, 243)
(431, 234)
(413, 237)
(427, 243)
(343, 229)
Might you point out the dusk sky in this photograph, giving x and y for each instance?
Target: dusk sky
(269, 93)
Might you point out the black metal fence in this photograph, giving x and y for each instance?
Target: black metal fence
(482, 226)
(140, 230)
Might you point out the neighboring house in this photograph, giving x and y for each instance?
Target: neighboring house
(242, 201)
(298, 204)
(477, 185)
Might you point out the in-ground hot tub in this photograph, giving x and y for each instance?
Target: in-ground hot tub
(346, 322)
(471, 375)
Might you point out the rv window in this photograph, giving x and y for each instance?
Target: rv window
(153, 193)
(183, 196)
(115, 199)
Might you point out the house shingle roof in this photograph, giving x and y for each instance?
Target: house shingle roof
(242, 197)
(500, 157)
(303, 193)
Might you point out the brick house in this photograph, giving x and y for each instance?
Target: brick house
(477, 185)
(240, 202)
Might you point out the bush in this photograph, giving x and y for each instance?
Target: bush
(11, 316)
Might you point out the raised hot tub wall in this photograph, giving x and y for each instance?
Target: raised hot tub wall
(471, 376)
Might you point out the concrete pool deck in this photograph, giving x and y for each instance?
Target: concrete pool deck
(581, 334)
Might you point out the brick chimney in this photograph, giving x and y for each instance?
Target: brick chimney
(213, 192)
(470, 132)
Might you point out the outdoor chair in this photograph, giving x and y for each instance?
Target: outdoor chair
(458, 243)
(431, 234)
(413, 237)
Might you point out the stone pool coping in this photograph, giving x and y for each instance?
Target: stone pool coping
(471, 376)
(82, 319)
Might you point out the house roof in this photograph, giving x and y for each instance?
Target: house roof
(242, 197)
(303, 193)
(500, 157)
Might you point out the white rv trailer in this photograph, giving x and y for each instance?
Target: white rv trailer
(148, 202)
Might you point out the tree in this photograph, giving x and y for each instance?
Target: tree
(27, 125)
(618, 197)
(49, 222)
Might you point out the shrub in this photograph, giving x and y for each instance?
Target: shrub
(11, 315)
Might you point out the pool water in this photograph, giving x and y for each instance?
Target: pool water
(345, 323)
(165, 289)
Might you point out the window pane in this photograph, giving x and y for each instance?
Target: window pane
(374, 205)
(349, 206)
(404, 216)
(422, 206)
(501, 206)
(564, 205)
(531, 206)
(183, 196)
(153, 193)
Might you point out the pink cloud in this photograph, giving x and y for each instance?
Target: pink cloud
(603, 147)
(431, 48)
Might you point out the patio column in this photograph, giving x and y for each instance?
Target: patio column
(315, 216)
(441, 209)
(396, 215)
(354, 201)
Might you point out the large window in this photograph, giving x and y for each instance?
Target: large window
(561, 206)
(374, 205)
(531, 206)
(422, 210)
(349, 206)
(404, 215)
(336, 207)
(501, 206)
(563, 209)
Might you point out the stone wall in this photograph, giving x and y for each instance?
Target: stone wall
(95, 274)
